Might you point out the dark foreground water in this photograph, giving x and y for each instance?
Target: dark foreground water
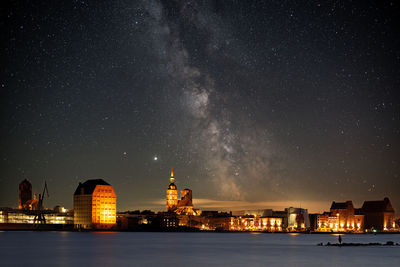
(190, 249)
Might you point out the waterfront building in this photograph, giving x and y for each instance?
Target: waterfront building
(214, 220)
(326, 222)
(344, 211)
(283, 215)
(258, 212)
(322, 223)
(342, 217)
(255, 223)
(333, 222)
(379, 215)
(25, 194)
(169, 220)
(11, 216)
(95, 204)
(298, 219)
(135, 220)
(359, 218)
(271, 224)
(184, 206)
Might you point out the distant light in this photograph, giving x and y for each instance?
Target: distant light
(155, 158)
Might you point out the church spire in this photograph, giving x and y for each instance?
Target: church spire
(172, 179)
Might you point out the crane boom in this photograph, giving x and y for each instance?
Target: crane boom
(39, 217)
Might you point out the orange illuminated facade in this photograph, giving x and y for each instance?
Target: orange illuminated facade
(183, 206)
(344, 211)
(172, 194)
(95, 204)
(254, 223)
(343, 217)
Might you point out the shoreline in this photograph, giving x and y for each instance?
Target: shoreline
(69, 228)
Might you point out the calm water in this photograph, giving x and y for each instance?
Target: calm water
(190, 249)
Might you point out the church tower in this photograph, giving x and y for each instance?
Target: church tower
(172, 194)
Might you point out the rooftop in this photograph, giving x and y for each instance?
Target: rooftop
(89, 186)
(341, 205)
(378, 206)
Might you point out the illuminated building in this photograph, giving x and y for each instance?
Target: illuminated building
(255, 223)
(184, 206)
(271, 224)
(343, 217)
(333, 222)
(322, 222)
(283, 215)
(214, 220)
(137, 220)
(298, 219)
(169, 222)
(13, 216)
(379, 215)
(359, 218)
(344, 212)
(59, 209)
(259, 212)
(25, 194)
(95, 204)
(172, 194)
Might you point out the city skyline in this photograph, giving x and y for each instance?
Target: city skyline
(158, 205)
(263, 104)
(95, 208)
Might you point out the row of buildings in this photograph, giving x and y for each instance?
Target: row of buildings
(95, 203)
(31, 214)
(343, 217)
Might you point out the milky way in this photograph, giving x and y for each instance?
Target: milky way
(249, 102)
(231, 156)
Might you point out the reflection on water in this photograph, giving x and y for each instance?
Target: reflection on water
(191, 249)
(255, 233)
(105, 233)
(293, 234)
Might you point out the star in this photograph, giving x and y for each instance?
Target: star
(292, 99)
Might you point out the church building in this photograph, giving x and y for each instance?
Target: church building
(183, 206)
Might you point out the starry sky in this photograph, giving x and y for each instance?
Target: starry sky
(263, 104)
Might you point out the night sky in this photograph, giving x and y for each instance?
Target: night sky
(263, 104)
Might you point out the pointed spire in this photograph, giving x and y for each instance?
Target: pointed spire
(172, 179)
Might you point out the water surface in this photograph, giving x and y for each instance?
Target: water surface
(191, 249)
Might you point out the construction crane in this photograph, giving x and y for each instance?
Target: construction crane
(39, 216)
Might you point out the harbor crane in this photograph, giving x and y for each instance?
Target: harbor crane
(39, 216)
